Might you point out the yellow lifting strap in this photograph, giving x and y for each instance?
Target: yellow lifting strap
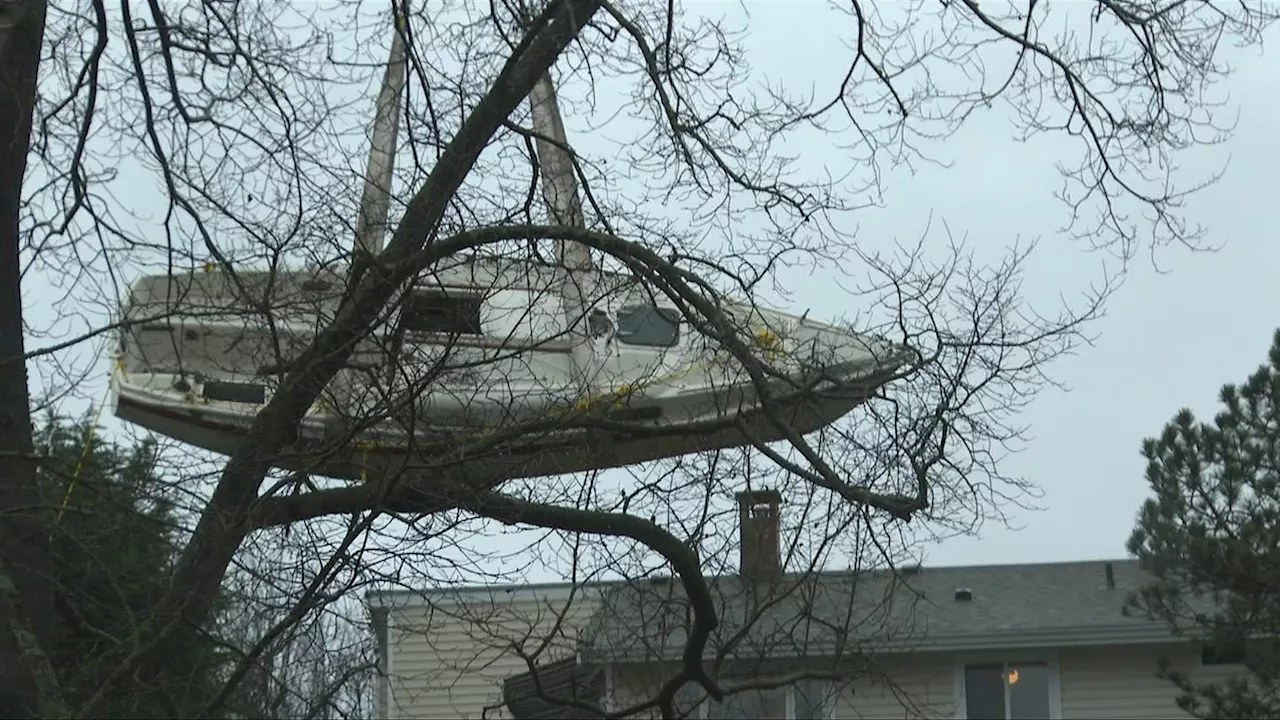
(88, 440)
(767, 340)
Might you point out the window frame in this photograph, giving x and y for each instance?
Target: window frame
(1007, 657)
(610, 701)
(828, 699)
(392, 710)
(669, 314)
(1215, 655)
(451, 296)
(600, 324)
(790, 703)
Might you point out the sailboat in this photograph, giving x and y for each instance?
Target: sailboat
(490, 366)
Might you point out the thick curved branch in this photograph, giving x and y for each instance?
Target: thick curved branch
(427, 491)
(682, 557)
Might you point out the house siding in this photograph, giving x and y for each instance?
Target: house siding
(1120, 682)
(1097, 682)
(632, 684)
(449, 658)
(923, 686)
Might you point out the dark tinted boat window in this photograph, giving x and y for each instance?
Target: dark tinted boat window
(598, 324)
(435, 312)
(648, 325)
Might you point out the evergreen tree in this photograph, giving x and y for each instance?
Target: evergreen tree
(112, 549)
(1211, 538)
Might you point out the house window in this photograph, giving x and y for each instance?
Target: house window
(1007, 691)
(379, 615)
(813, 699)
(750, 705)
(1225, 653)
(432, 311)
(806, 700)
(648, 325)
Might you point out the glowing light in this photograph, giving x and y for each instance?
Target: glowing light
(1013, 676)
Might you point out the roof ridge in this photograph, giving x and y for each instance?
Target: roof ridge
(822, 574)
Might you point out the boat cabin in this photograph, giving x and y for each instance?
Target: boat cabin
(469, 326)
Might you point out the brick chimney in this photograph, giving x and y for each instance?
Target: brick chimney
(758, 520)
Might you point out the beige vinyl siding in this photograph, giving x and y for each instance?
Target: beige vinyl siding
(448, 659)
(632, 684)
(1096, 682)
(923, 686)
(1120, 682)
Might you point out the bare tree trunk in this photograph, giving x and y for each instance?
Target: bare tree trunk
(226, 518)
(24, 539)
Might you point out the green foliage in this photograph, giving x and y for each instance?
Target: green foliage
(1211, 537)
(113, 545)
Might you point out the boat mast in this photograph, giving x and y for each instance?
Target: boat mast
(375, 202)
(560, 191)
(559, 179)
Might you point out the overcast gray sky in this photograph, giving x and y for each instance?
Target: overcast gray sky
(1172, 337)
(1169, 340)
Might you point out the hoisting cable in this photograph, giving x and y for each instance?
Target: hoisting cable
(90, 432)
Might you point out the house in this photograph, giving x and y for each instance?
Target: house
(1022, 641)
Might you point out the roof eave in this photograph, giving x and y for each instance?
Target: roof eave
(548, 592)
(1104, 635)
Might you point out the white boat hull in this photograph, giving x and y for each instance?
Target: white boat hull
(491, 399)
(322, 448)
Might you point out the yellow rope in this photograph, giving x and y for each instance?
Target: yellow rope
(765, 339)
(88, 441)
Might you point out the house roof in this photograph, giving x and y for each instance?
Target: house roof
(1011, 606)
(1040, 605)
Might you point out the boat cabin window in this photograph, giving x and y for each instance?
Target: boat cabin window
(432, 311)
(598, 324)
(649, 326)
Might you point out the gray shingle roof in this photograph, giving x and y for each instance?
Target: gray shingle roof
(1011, 605)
